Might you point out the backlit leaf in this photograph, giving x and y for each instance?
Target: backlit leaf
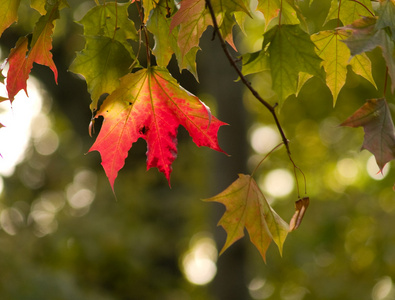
(102, 63)
(348, 11)
(148, 5)
(272, 8)
(375, 118)
(247, 207)
(108, 54)
(224, 11)
(362, 66)
(8, 13)
(39, 5)
(255, 62)
(364, 36)
(193, 18)
(40, 46)
(159, 26)
(335, 55)
(16, 73)
(291, 51)
(303, 78)
(111, 21)
(150, 104)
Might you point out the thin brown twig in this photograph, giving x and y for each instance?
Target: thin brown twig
(266, 156)
(143, 28)
(270, 107)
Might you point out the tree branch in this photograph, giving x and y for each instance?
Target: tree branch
(270, 107)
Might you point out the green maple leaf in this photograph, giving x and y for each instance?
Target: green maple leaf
(225, 13)
(303, 78)
(8, 13)
(255, 62)
(362, 66)
(159, 26)
(335, 58)
(102, 62)
(375, 118)
(290, 51)
(148, 5)
(39, 5)
(386, 13)
(107, 55)
(247, 207)
(272, 8)
(112, 21)
(348, 11)
(364, 36)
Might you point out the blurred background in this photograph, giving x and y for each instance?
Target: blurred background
(64, 235)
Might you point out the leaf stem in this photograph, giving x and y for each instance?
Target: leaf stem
(271, 151)
(338, 13)
(143, 28)
(116, 19)
(360, 3)
(270, 107)
(296, 176)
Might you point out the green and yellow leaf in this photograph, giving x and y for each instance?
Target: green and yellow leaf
(348, 10)
(335, 57)
(8, 13)
(273, 8)
(101, 63)
(247, 207)
(159, 26)
(111, 20)
(291, 51)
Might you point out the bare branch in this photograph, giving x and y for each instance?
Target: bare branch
(270, 107)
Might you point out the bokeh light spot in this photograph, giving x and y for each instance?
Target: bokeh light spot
(47, 143)
(18, 120)
(263, 139)
(260, 288)
(278, 183)
(383, 289)
(199, 263)
(374, 171)
(348, 170)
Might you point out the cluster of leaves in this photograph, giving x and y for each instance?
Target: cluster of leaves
(145, 101)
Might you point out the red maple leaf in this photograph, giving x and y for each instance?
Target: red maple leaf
(41, 44)
(150, 104)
